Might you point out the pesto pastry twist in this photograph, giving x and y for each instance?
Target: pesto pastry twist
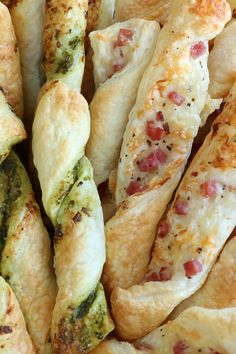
(26, 261)
(13, 333)
(60, 132)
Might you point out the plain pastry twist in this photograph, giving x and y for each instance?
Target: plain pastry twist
(60, 132)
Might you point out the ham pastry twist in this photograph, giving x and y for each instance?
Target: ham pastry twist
(190, 236)
(60, 133)
(28, 18)
(13, 334)
(121, 54)
(159, 135)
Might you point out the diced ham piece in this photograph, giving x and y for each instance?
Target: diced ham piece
(197, 50)
(161, 156)
(176, 98)
(135, 187)
(153, 131)
(124, 37)
(165, 274)
(192, 267)
(209, 189)
(151, 277)
(117, 67)
(159, 116)
(163, 230)
(180, 347)
(181, 207)
(152, 161)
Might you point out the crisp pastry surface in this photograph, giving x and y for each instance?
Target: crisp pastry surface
(116, 88)
(222, 62)
(61, 140)
(26, 259)
(11, 128)
(159, 135)
(10, 73)
(13, 334)
(196, 330)
(149, 9)
(190, 236)
(28, 19)
(219, 290)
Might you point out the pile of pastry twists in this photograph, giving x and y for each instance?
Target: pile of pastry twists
(126, 115)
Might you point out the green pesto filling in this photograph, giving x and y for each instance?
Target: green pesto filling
(84, 307)
(87, 324)
(66, 58)
(12, 191)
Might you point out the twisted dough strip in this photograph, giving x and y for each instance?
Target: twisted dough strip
(191, 235)
(13, 334)
(25, 252)
(28, 19)
(10, 74)
(60, 132)
(116, 89)
(196, 330)
(159, 135)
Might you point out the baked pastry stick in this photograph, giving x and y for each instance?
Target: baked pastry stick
(60, 132)
(14, 337)
(28, 20)
(11, 128)
(26, 261)
(196, 330)
(121, 54)
(159, 135)
(222, 62)
(64, 33)
(149, 9)
(10, 74)
(190, 236)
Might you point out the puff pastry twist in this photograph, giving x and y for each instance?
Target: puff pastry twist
(190, 236)
(159, 135)
(60, 132)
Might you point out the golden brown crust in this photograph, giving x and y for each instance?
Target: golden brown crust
(10, 74)
(148, 9)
